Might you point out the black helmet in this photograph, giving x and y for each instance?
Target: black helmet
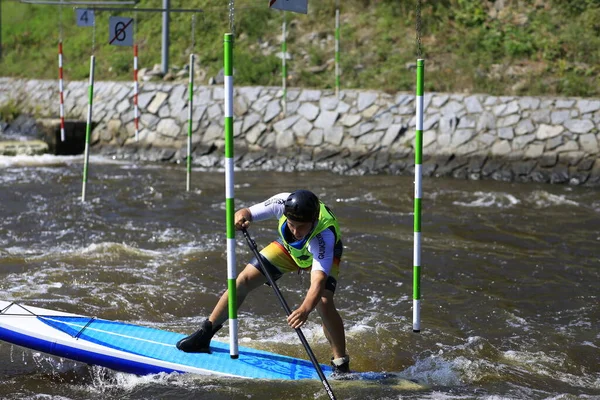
(302, 206)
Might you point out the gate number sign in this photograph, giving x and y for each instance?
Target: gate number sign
(85, 17)
(120, 31)
(299, 6)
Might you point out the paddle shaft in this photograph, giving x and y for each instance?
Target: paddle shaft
(288, 311)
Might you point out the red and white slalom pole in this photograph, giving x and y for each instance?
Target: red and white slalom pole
(136, 114)
(61, 90)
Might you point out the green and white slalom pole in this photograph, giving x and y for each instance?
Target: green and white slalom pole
(229, 198)
(418, 194)
(190, 114)
(337, 53)
(284, 65)
(88, 128)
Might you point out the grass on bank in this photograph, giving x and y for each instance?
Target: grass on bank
(9, 111)
(526, 47)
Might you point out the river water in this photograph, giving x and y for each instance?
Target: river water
(510, 279)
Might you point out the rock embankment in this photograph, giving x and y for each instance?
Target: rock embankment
(465, 136)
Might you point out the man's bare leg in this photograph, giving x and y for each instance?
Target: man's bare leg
(199, 341)
(333, 326)
(248, 280)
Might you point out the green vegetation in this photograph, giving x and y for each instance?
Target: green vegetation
(522, 47)
(9, 111)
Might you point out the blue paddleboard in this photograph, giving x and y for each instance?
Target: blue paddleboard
(137, 349)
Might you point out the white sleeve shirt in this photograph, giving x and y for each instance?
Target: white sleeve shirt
(270, 208)
(321, 248)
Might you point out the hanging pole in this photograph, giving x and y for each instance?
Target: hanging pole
(418, 177)
(136, 114)
(337, 52)
(190, 114)
(418, 195)
(60, 74)
(229, 196)
(88, 128)
(190, 107)
(283, 64)
(61, 89)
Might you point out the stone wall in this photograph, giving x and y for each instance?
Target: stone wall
(466, 136)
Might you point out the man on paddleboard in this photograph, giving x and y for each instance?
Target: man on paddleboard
(309, 238)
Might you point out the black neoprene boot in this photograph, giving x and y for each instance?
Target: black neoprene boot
(340, 365)
(199, 341)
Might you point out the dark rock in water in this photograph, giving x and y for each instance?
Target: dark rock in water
(167, 154)
(397, 167)
(523, 168)
(503, 175)
(461, 173)
(476, 164)
(540, 176)
(429, 168)
(560, 174)
(491, 166)
(151, 154)
(579, 178)
(207, 161)
(23, 127)
(586, 164)
(450, 166)
(594, 180)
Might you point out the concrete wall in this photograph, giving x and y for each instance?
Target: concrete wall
(539, 139)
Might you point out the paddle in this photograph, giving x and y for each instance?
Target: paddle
(288, 311)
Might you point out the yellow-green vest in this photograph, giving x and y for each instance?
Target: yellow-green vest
(302, 256)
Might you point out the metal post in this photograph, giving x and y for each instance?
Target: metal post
(165, 37)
